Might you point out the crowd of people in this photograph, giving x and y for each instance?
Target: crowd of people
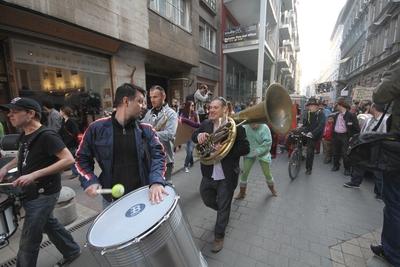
(135, 147)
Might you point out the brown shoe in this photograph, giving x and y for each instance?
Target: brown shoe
(272, 189)
(242, 193)
(217, 245)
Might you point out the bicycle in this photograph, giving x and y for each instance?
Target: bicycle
(297, 154)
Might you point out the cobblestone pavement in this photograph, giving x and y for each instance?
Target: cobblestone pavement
(314, 221)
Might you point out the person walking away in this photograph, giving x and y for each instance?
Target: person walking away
(54, 117)
(69, 134)
(388, 91)
(190, 116)
(165, 121)
(220, 179)
(327, 140)
(260, 140)
(41, 157)
(128, 152)
(313, 126)
(345, 126)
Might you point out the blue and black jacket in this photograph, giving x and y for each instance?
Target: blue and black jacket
(97, 143)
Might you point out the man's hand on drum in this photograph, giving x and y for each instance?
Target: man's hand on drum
(156, 192)
(24, 180)
(202, 137)
(91, 190)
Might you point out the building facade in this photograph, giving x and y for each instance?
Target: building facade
(260, 46)
(67, 51)
(371, 42)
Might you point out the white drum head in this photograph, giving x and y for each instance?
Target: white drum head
(128, 218)
(13, 170)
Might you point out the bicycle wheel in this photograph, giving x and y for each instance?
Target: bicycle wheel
(294, 164)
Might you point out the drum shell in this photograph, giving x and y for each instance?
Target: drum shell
(170, 243)
(8, 221)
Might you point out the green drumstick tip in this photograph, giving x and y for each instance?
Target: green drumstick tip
(118, 191)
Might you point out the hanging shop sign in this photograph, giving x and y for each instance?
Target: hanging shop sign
(240, 34)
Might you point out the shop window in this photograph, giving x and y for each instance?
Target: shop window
(207, 36)
(176, 11)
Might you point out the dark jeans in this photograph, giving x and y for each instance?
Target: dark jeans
(311, 143)
(38, 220)
(358, 174)
(189, 153)
(340, 143)
(218, 196)
(168, 171)
(391, 216)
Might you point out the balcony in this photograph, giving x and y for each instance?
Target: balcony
(289, 45)
(285, 28)
(287, 4)
(283, 59)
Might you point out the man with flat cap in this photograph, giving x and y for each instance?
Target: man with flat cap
(313, 126)
(42, 156)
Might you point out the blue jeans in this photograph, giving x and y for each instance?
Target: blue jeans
(38, 220)
(189, 153)
(391, 216)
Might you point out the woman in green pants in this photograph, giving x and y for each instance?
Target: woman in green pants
(260, 140)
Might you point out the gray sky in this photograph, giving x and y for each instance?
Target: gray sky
(316, 19)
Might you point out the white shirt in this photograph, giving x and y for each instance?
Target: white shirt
(218, 172)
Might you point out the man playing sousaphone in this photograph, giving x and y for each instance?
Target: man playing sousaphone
(220, 180)
(165, 121)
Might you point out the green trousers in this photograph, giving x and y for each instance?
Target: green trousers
(248, 163)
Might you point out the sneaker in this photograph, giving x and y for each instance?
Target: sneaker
(308, 172)
(351, 185)
(378, 251)
(186, 169)
(66, 261)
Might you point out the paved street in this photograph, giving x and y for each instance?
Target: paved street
(314, 221)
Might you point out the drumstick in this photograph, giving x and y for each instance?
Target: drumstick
(6, 184)
(117, 191)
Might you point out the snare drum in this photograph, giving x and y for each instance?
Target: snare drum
(8, 218)
(133, 232)
(13, 192)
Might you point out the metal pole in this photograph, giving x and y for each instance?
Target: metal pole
(261, 48)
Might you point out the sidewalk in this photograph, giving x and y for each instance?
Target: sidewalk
(314, 221)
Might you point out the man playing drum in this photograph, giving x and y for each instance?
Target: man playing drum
(41, 157)
(128, 152)
(220, 180)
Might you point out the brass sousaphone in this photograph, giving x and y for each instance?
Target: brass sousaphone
(275, 111)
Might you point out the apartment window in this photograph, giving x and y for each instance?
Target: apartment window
(212, 4)
(176, 11)
(396, 22)
(207, 36)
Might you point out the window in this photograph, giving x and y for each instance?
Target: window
(176, 11)
(212, 4)
(207, 36)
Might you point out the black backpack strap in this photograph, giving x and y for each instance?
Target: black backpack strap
(382, 117)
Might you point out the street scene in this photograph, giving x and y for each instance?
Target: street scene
(200, 133)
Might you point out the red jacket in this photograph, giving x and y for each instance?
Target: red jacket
(328, 131)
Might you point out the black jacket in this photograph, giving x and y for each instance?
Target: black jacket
(230, 164)
(314, 122)
(351, 123)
